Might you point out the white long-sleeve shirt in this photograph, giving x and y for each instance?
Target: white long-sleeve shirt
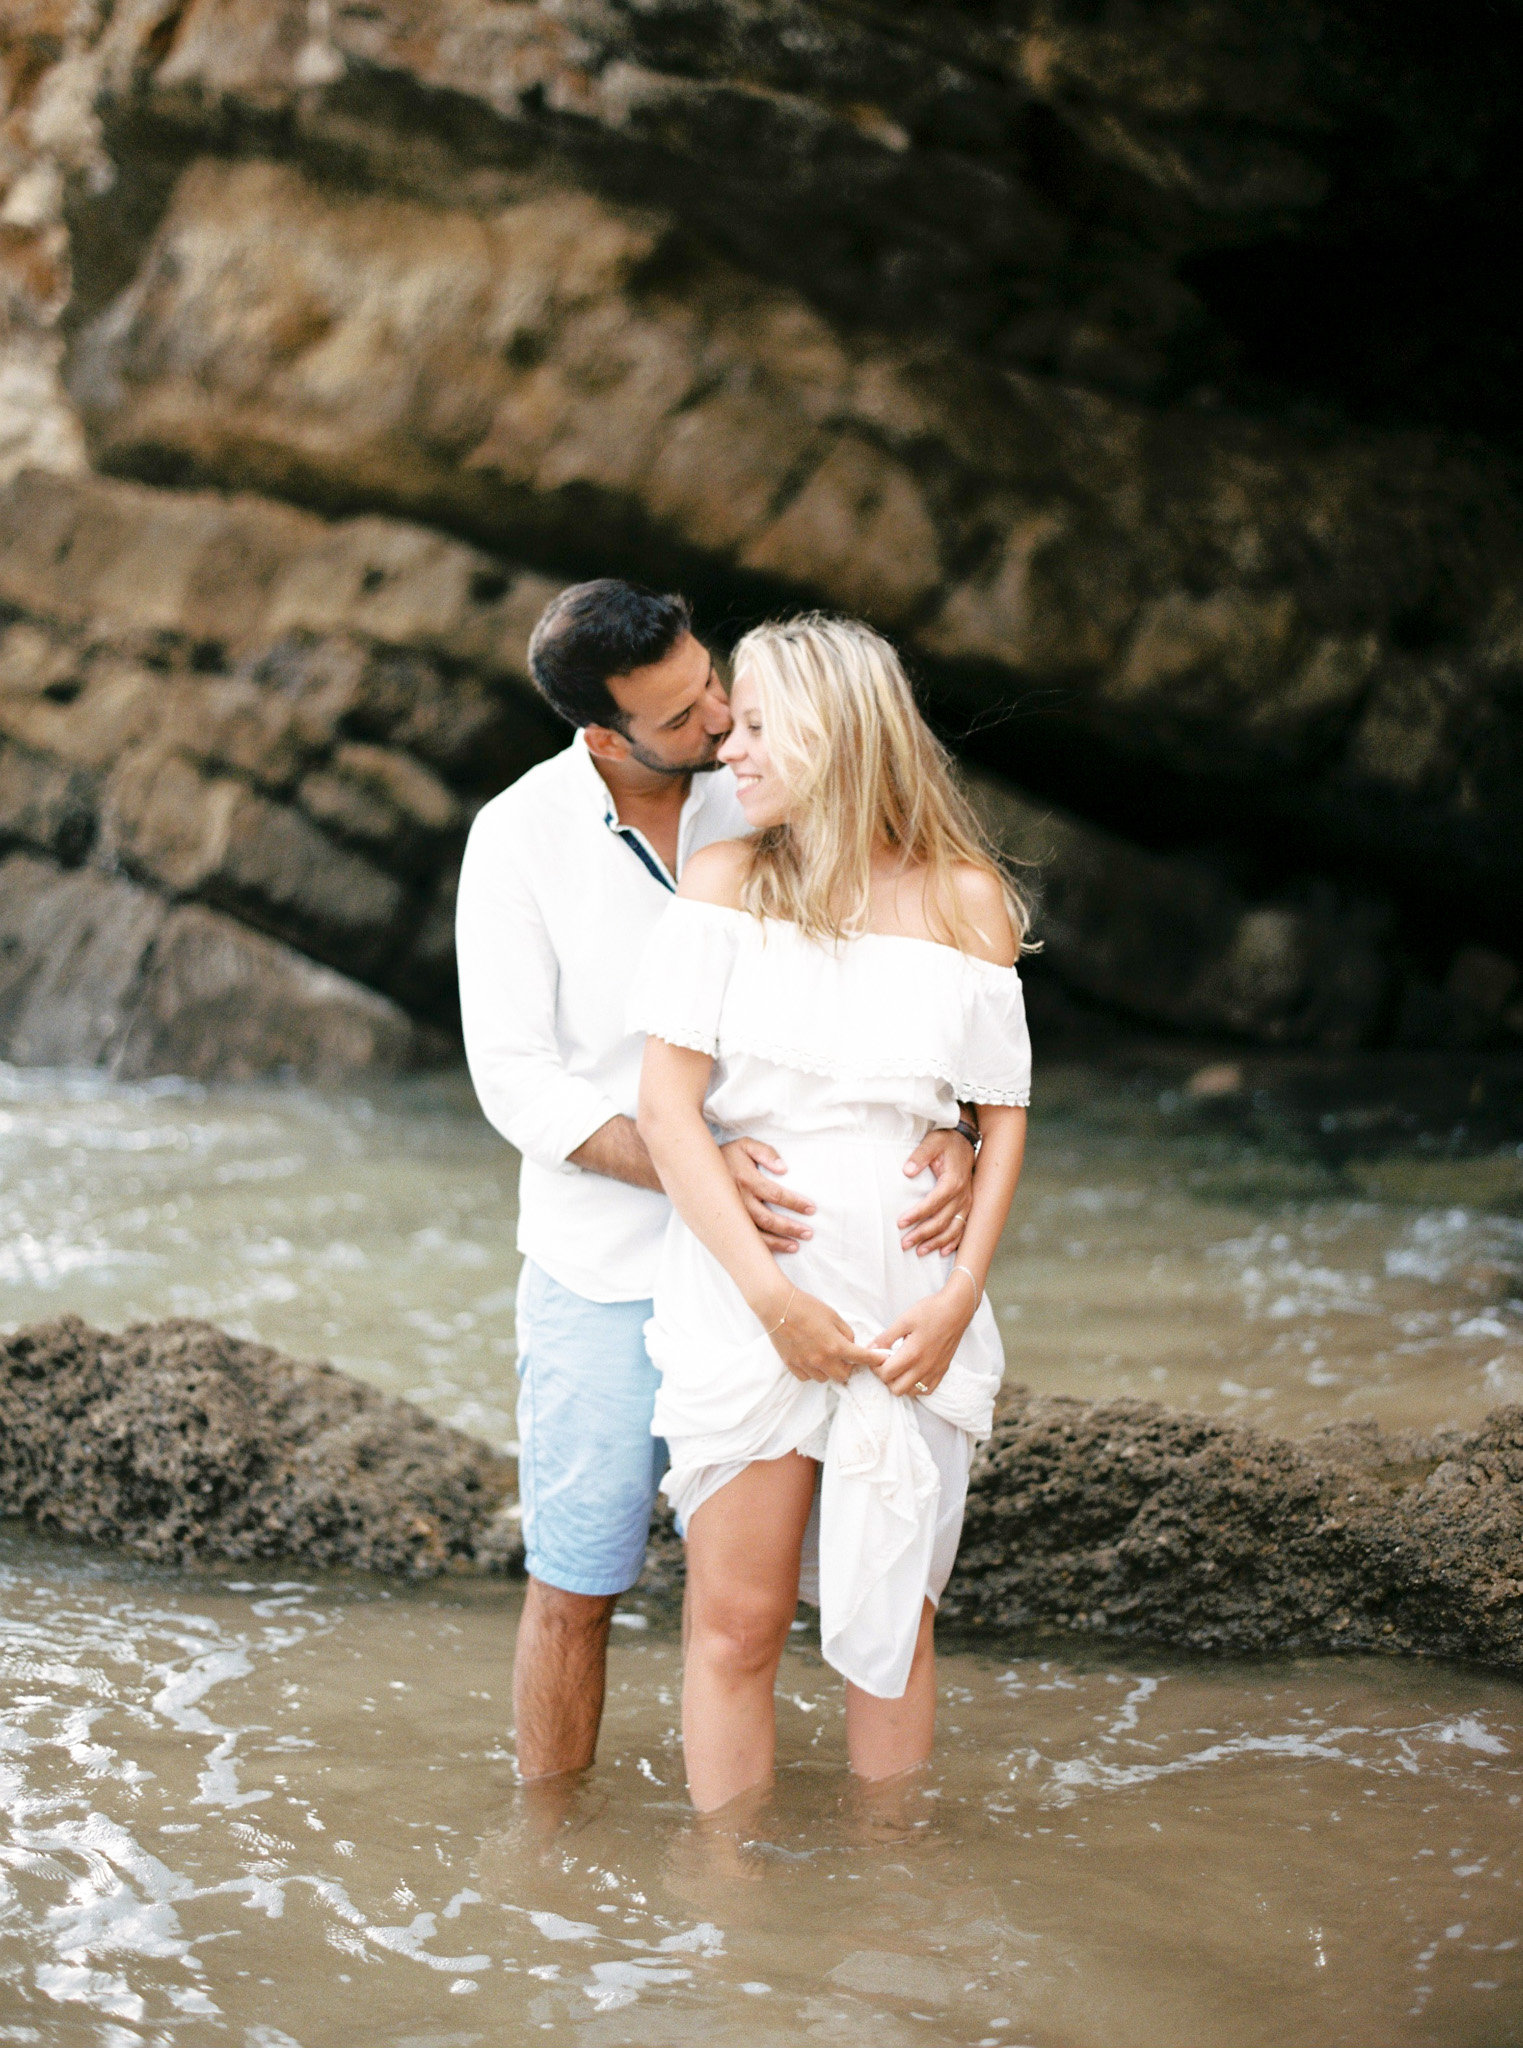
(557, 900)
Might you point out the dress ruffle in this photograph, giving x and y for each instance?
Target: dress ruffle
(878, 1007)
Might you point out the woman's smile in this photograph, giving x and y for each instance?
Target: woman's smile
(760, 789)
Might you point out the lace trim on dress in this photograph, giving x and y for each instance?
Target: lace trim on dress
(912, 1067)
(672, 1034)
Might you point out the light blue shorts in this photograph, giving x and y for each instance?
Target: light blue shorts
(588, 1466)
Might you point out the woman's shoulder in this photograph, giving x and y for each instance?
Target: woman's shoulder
(716, 874)
(985, 914)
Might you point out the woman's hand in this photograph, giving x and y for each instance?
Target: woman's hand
(815, 1343)
(921, 1343)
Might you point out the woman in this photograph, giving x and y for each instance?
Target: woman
(836, 984)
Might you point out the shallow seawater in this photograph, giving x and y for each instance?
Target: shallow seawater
(278, 1809)
(1289, 1271)
(268, 1808)
(1152, 1251)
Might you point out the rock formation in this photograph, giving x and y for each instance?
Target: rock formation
(236, 741)
(1070, 345)
(1122, 1518)
(182, 1444)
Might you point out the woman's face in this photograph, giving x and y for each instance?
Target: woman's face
(760, 788)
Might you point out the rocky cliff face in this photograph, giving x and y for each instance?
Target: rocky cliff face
(237, 741)
(1071, 345)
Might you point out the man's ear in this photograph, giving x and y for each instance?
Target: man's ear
(605, 744)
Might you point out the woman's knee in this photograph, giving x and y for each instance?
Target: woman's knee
(741, 1635)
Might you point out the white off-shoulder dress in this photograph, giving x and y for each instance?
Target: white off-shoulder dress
(842, 1057)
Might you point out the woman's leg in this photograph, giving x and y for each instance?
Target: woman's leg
(742, 1590)
(884, 1737)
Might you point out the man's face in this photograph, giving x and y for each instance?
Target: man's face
(676, 712)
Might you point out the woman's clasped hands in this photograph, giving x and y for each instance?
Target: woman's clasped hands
(910, 1357)
(815, 1343)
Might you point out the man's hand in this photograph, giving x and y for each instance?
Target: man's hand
(935, 1224)
(750, 1162)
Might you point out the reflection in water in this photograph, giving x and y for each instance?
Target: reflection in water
(269, 1809)
(275, 1811)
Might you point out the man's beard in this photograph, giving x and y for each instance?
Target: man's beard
(659, 767)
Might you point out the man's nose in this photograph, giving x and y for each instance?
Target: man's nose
(717, 717)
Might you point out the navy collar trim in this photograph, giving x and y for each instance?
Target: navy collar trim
(641, 852)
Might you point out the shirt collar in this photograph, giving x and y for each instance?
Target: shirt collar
(597, 789)
(700, 789)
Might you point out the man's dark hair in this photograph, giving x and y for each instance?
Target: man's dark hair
(596, 630)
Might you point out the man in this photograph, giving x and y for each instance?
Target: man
(565, 875)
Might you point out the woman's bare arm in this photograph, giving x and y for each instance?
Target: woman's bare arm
(928, 1334)
(1000, 1158)
(673, 1082)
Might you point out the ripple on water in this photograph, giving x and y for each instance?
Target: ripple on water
(377, 1229)
(377, 1232)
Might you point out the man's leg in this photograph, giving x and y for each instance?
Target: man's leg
(559, 1671)
(587, 1475)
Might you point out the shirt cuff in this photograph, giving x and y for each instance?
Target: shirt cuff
(575, 1130)
(564, 1115)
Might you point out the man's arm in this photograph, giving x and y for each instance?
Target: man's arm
(617, 1151)
(509, 978)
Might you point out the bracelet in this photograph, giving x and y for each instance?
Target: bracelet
(978, 1292)
(971, 1132)
(784, 1316)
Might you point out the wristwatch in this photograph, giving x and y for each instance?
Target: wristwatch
(971, 1132)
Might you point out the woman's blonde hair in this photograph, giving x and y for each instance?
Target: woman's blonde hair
(861, 766)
